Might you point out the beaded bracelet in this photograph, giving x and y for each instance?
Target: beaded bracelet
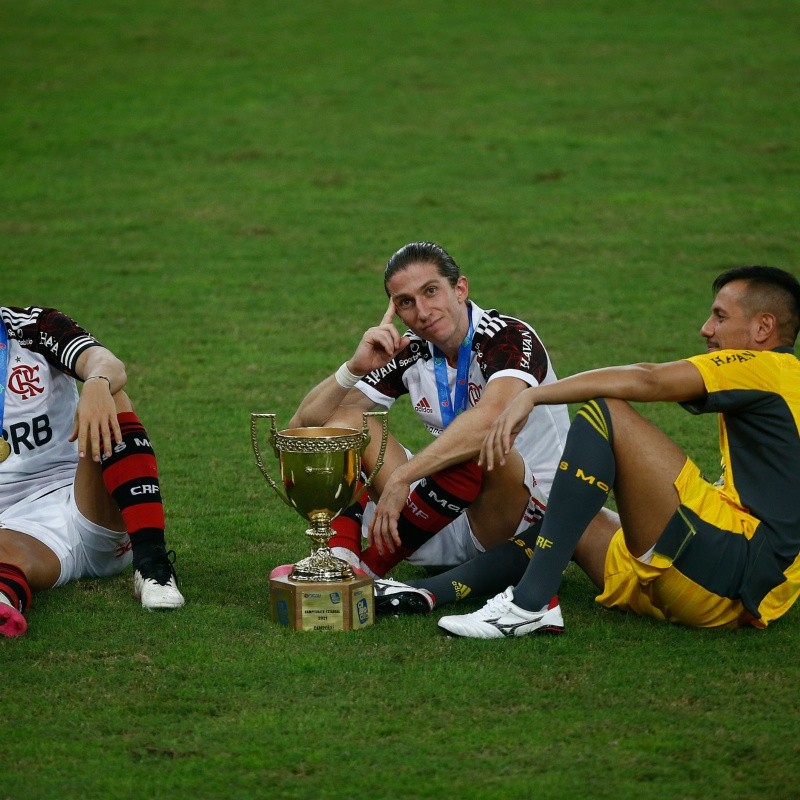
(98, 377)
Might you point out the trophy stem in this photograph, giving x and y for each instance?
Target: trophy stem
(321, 566)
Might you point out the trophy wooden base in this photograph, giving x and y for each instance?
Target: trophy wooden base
(329, 606)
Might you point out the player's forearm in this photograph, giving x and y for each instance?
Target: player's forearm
(319, 404)
(458, 443)
(100, 363)
(644, 383)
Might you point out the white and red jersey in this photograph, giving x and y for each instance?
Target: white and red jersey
(40, 400)
(501, 347)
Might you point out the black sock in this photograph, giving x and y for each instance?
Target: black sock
(148, 543)
(486, 574)
(580, 489)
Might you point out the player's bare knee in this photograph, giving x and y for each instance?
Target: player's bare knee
(622, 414)
(493, 525)
(9, 552)
(38, 562)
(346, 418)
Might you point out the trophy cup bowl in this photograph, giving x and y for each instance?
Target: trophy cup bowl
(319, 475)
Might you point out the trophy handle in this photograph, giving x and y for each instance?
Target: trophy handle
(257, 450)
(384, 418)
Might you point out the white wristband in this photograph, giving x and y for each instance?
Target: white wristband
(345, 378)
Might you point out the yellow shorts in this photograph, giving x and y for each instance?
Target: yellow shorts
(699, 593)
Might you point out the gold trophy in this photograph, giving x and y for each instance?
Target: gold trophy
(320, 468)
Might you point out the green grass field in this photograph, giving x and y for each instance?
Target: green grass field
(212, 188)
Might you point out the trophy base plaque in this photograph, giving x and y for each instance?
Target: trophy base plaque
(321, 606)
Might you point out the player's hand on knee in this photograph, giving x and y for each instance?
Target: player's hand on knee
(96, 427)
(383, 531)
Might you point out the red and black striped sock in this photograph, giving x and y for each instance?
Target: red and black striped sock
(347, 526)
(14, 585)
(130, 474)
(433, 504)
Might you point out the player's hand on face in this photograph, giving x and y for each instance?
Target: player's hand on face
(379, 344)
(96, 427)
(500, 438)
(382, 531)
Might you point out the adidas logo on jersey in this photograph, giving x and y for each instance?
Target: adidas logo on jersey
(423, 406)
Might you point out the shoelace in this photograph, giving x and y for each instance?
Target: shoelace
(498, 604)
(158, 568)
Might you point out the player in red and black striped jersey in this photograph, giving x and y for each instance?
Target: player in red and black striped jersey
(79, 490)
(460, 366)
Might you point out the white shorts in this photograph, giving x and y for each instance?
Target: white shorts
(85, 550)
(456, 543)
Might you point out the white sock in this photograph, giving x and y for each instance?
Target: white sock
(4, 598)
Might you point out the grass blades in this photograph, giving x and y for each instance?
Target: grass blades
(213, 188)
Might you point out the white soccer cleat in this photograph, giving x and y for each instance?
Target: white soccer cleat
(155, 583)
(394, 597)
(500, 618)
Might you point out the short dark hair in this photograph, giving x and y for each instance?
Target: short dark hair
(776, 290)
(424, 253)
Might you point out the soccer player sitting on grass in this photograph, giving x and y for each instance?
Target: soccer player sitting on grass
(689, 552)
(461, 366)
(79, 491)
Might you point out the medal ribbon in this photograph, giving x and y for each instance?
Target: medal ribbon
(3, 369)
(452, 407)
